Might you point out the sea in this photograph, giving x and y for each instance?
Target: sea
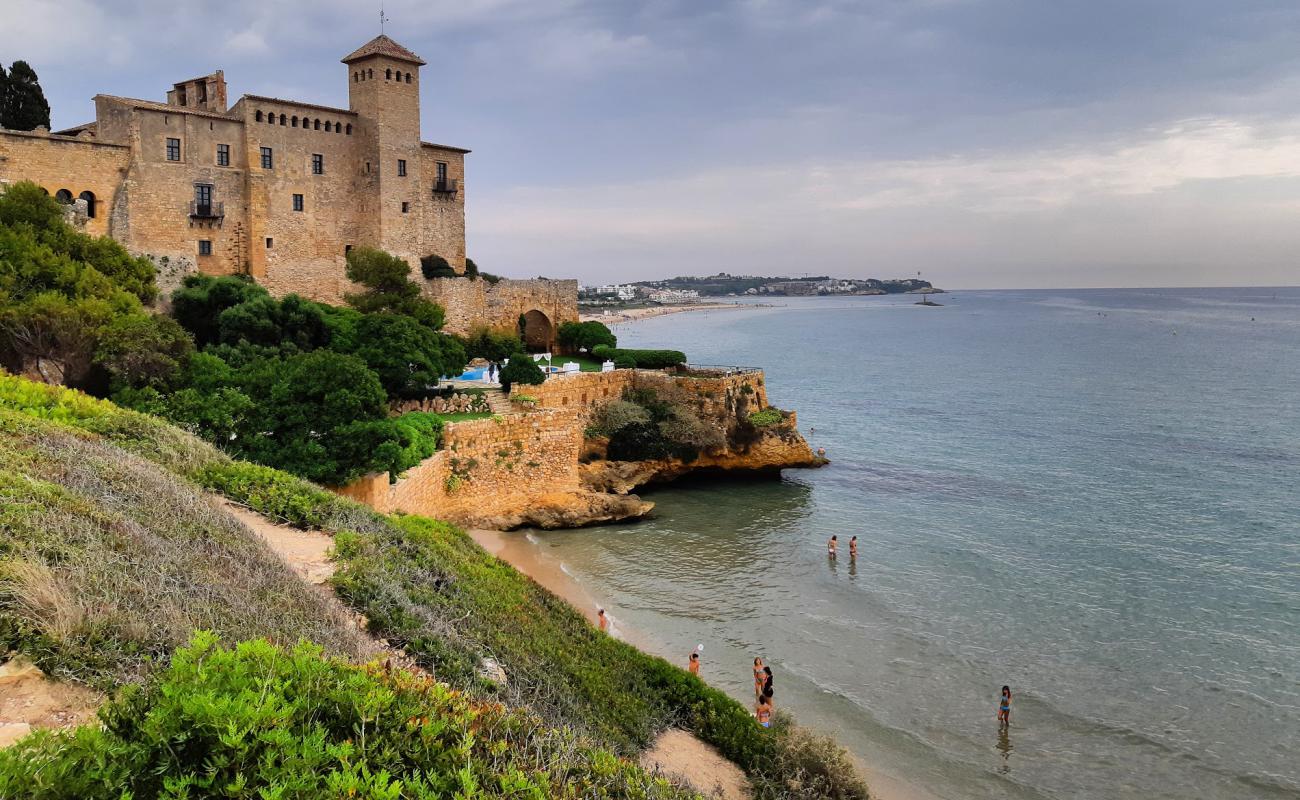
(1090, 496)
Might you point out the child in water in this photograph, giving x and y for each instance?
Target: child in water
(1004, 707)
(694, 665)
(830, 546)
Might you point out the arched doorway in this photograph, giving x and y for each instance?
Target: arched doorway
(89, 197)
(63, 196)
(537, 332)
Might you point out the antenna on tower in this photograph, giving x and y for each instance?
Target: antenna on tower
(382, 19)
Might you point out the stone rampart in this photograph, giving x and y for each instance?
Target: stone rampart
(714, 398)
(472, 304)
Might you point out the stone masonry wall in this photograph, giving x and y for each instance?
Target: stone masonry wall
(485, 467)
(65, 162)
(713, 397)
(477, 303)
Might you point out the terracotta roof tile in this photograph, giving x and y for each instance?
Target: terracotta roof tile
(381, 45)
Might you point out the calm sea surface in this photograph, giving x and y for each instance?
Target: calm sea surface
(1092, 496)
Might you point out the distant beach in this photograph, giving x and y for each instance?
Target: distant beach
(614, 317)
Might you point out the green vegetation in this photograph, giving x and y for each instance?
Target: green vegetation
(23, 106)
(494, 345)
(256, 721)
(286, 382)
(766, 418)
(435, 266)
(154, 561)
(646, 359)
(652, 424)
(577, 336)
(521, 369)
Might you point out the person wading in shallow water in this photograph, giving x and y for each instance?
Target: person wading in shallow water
(1004, 707)
(759, 677)
(830, 546)
(763, 711)
(602, 621)
(853, 547)
(694, 665)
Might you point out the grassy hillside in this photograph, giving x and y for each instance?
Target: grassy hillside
(103, 507)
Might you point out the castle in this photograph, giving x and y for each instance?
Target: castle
(281, 190)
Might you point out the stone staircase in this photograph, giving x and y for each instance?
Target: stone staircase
(497, 400)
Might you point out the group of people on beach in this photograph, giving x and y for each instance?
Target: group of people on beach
(763, 693)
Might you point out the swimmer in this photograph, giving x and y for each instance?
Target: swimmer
(830, 546)
(1004, 707)
(853, 547)
(602, 621)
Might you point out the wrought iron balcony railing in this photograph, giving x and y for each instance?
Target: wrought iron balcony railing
(207, 210)
(445, 186)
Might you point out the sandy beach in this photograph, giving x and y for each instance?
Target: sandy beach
(516, 550)
(612, 317)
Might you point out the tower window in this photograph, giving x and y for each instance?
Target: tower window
(408, 77)
(258, 116)
(388, 74)
(293, 123)
(203, 199)
(267, 160)
(270, 118)
(297, 202)
(205, 247)
(370, 73)
(317, 125)
(269, 243)
(283, 120)
(317, 164)
(349, 131)
(406, 207)
(442, 172)
(223, 155)
(327, 126)
(401, 168)
(173, 149)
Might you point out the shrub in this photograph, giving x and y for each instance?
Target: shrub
(257, 721)
(471, 269)
(521, 369)
(637, 441)
(646, 359)
(624, 361)
(201, 300)
(616, 415)
(766, 418)
(270, 492)
(435, 266)
(689, 431)
(407, 357)
(388, 287)
(143, 350)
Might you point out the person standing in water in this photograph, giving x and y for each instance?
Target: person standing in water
(1004, 707)
(694, 665)
(830, 546)
(853, 547)
(763, 711)
(759, 677)
(767, 682)
(602, 621)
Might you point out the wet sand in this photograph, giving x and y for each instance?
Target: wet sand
(515, 549)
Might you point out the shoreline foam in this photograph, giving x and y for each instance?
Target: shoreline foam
(516, 550)
(634, 314)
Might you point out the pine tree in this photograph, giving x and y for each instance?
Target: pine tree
(4, 94)
(24, 106)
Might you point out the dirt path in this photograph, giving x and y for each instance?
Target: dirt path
(685, 760)
(29, 701)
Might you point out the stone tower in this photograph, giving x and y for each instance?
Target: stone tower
(384, 91)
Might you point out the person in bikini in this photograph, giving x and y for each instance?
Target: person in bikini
(853, 547)
(602, 621)
(694, 665)
(759, 677)
(763, 711)
(1004, 707)
(830, 546)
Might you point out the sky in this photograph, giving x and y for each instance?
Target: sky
(982, 143)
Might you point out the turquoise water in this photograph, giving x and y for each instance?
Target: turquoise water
(1092, 496)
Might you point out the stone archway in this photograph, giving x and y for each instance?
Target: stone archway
(537, 333)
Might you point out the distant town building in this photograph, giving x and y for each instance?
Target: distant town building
(618, 290)
(674, 295)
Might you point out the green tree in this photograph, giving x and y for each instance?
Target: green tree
(407, 356)
(585, 336)
(521, 369)
(388, 287)
(471, 269)
(24, 105)
(435, 266)
(494, 345)
(201, 300)
(305, 415)
(141, 350)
